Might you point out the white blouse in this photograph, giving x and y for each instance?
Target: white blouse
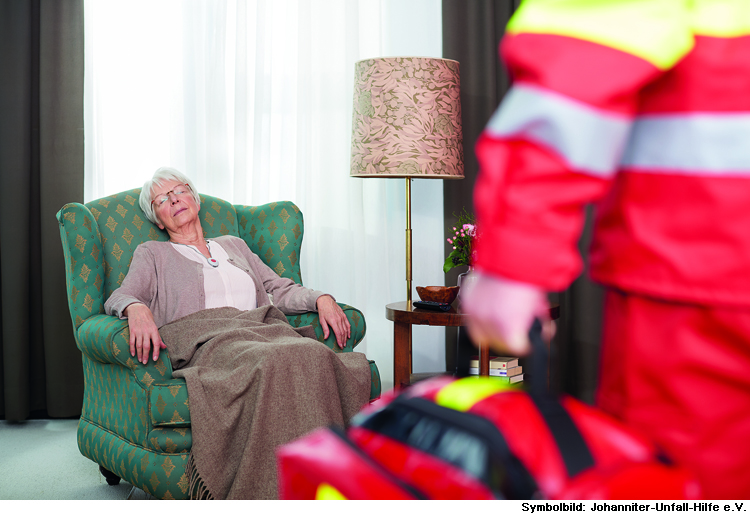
(224, 285)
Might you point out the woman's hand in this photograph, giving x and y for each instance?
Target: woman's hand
(331, 314)
(144, 335)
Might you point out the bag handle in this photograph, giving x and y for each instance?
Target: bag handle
(571, 444)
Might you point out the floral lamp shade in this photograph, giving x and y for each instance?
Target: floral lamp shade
(407, 119)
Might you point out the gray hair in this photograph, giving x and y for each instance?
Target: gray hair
(162, 175)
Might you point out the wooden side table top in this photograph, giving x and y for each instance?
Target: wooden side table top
(400, 312)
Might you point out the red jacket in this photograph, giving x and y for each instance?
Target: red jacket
(642, 108)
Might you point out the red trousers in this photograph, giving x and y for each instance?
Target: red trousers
(681, 374)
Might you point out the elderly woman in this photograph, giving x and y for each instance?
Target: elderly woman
(254, 381)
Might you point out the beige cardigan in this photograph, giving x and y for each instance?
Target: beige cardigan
(172, 286)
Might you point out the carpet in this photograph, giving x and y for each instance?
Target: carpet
(40, 460)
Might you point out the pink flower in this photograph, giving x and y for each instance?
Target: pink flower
(471, 229)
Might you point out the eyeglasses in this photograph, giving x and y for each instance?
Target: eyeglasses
(161, 199)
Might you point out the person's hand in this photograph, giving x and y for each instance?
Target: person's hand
(331, 314)
(502, 311)
(144, 335)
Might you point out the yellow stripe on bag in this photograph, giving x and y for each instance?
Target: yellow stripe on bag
(721, 18)
(328, 492)
(658, 31)
(462, 394)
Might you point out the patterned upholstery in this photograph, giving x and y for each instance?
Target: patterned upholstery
(135, 419)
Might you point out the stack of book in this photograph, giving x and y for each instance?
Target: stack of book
(506, 368)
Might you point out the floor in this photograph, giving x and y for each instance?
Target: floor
(40, 460)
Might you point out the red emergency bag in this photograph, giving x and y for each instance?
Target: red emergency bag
(480, 438)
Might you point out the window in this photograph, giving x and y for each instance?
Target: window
(252, 101)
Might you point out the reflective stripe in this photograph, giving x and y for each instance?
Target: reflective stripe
(462, 394)
(658, 31)
(700, 144)
(589, 140)
(328, 492)
(721, 18)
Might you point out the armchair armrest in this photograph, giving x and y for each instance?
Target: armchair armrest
(140, 403)
(106, 339)
(356, 320)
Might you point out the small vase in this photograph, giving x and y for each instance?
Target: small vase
(464, 280)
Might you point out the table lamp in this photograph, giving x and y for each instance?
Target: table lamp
(407, 124)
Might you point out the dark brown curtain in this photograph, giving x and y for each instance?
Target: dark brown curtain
(41, 169)
(471, 35)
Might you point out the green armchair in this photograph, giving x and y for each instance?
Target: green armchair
(135, 421)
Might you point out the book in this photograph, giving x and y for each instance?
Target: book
(510, 379)
(513, 371)
(496, 362)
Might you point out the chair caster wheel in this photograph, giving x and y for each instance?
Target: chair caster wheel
(112, 479)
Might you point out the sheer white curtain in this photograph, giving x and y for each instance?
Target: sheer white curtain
(253, 100)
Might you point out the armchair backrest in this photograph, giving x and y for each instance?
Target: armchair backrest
(274, 232)
(100, 237)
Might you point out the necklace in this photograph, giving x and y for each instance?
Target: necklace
(212, 261)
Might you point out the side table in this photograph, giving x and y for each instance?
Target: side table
(405, 315)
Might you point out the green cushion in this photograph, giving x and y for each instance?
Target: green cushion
(170, 439)
(168, 404)
(374, 380)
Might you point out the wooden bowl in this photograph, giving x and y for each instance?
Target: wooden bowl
(442, 294)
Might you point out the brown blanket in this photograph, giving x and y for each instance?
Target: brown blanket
(255, 383)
